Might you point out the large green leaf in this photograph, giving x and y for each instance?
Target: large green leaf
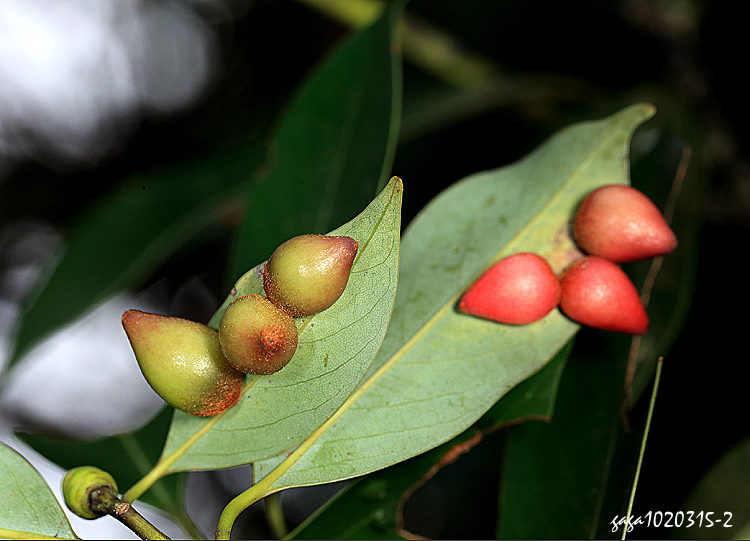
(335, 349)
(334, 146)
(129, 234)
(26, 502)
(126, 456)
(439, 370)
(723, 490)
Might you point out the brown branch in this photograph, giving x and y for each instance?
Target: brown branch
(648, 285)
(448, 458)
(106, 501)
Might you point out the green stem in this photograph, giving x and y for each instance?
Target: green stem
(243, 501)
(657, 378)
(275, 515)
(423, 44)
(162, 467)
(355, 13)
(105, 500)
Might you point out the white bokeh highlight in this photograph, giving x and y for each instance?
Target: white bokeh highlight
(84, 379)
(78, 74)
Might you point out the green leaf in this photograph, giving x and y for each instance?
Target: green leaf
(439, 370)
(371, 503)
(334, 146)
(335, 349)
(126, 456)
(533, 398)
(26, 502)
(128, 235)
(723, 490)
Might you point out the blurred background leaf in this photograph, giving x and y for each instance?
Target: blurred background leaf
(557, 477)
(333, 149)
(372, 504)
(723, 491)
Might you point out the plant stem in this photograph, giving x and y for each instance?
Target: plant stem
(355, 13)
(162, 467)
(423, 44)
(275, 515)
(105, 500)
(242, 502)
(657, 378)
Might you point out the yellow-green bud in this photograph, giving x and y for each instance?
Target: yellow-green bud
(78, 484)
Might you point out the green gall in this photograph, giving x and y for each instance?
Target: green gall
(183, 363)
(77, 486)
(307, 274)
(257, 337)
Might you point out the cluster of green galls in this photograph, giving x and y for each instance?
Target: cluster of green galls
(199, 370)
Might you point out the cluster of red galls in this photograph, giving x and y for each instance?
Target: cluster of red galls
(614, 224)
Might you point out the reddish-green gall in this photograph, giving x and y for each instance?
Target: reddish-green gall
(597, 293)
(519, 289)
(183, 363)
(307, 274)
(256, 336)
(622, 224)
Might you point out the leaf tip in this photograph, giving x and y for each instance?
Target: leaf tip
(397, 185)
(643, 110)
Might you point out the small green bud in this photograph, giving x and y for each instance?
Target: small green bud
(256, 336)
(183, 363)
(307, 274)
(79, 483)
